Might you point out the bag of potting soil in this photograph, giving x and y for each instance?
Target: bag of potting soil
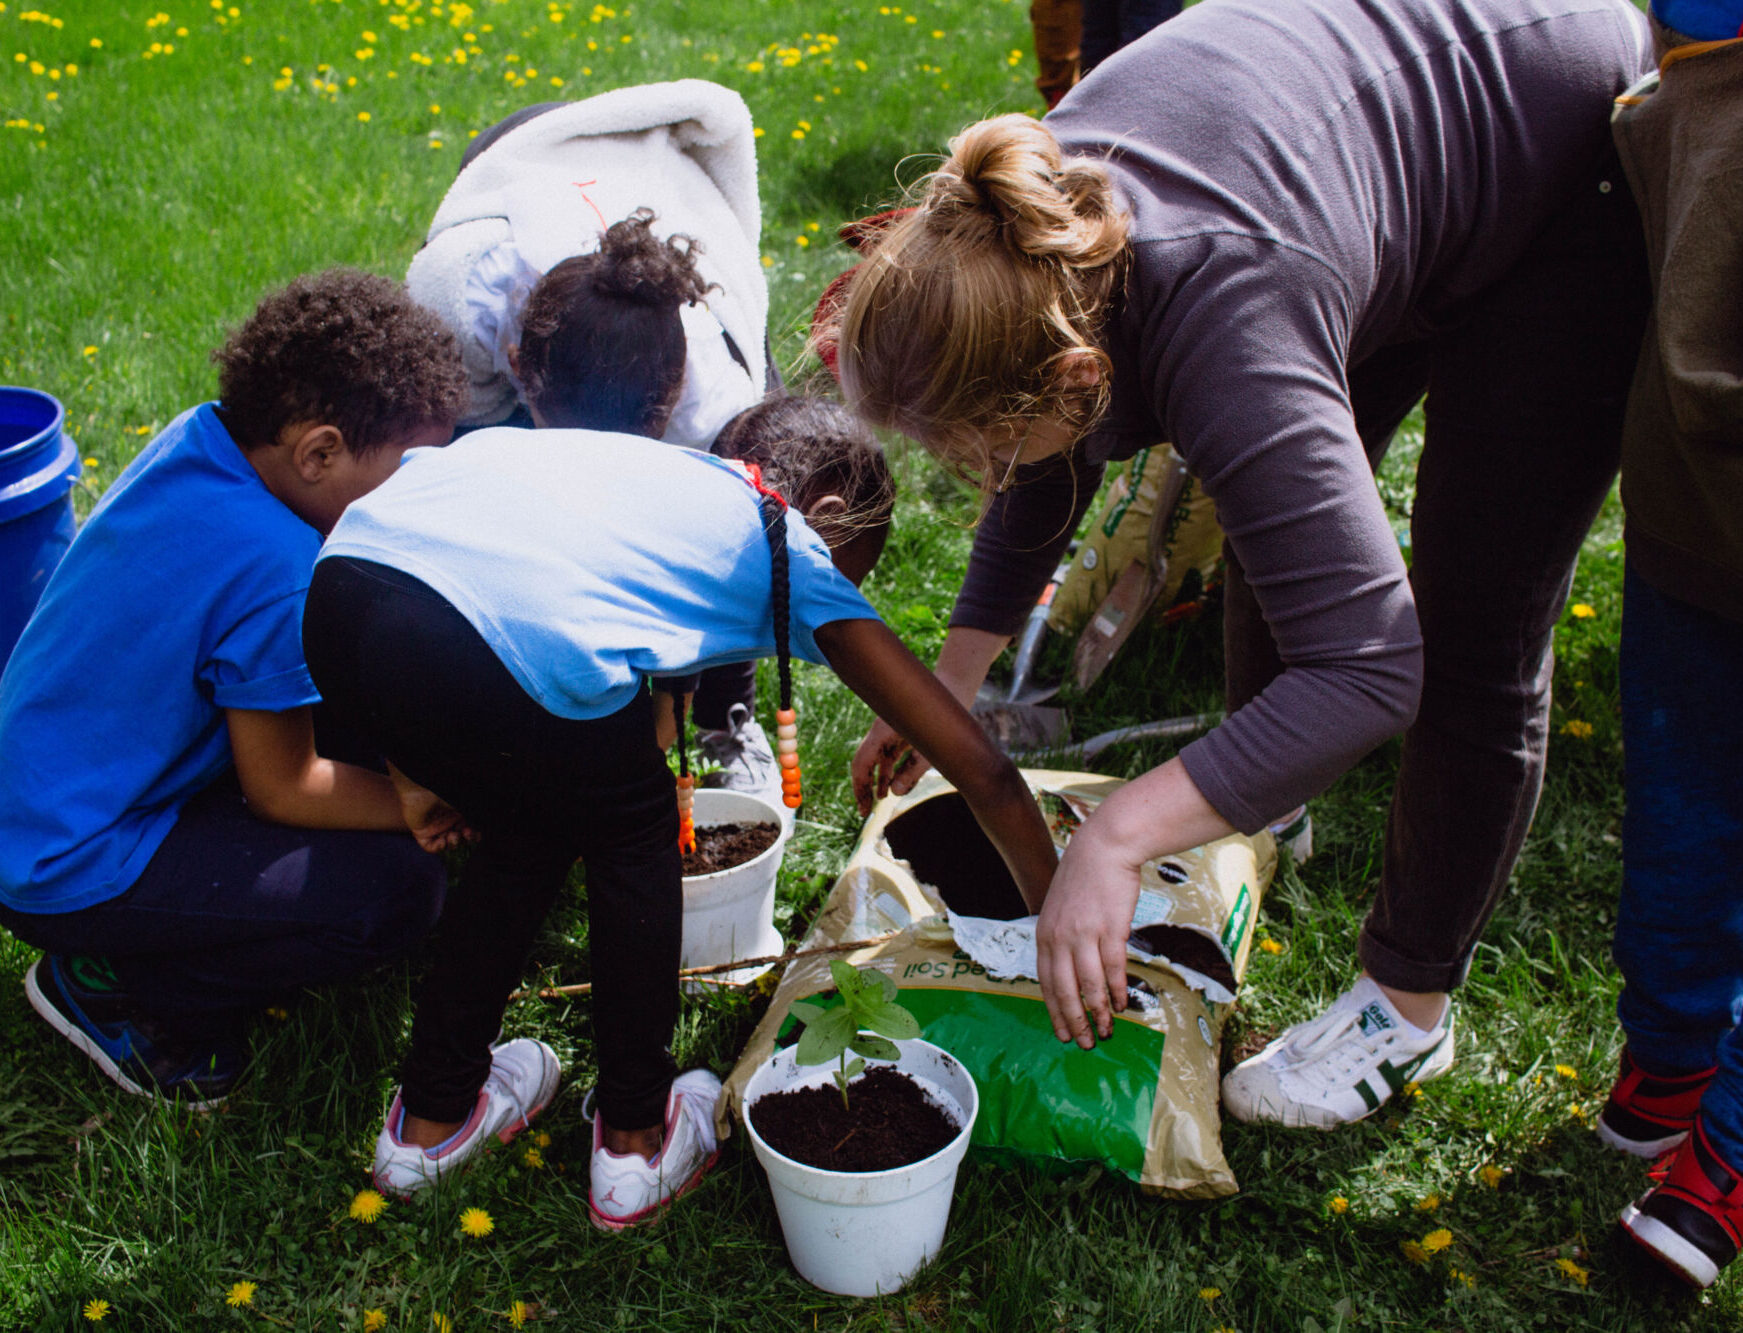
(926, 900)
(1183, 541)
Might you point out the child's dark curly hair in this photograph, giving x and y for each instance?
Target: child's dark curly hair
(341, 348)
(602, 345)
(810, 448)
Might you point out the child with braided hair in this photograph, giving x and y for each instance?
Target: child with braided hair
(542, 579)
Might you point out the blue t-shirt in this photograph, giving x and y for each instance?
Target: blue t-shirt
(589, 561)
(1704, 20)
(180, 597)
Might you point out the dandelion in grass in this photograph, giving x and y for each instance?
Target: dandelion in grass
(1577, 729)
(1428, 1204)
(240, 1294)
(1436, 1241)
(1413, 1251)
(1573, 1272)
(1580, 611)
(542, 1139)
(518, 1313)
(367, 1206)
(374, 1321)
(475, 1222)
(1567, 1071)
(1412, 1089)
(96, 1311)
(1462, 1277)
(91, 350)
(1270, 946)
(1339, 1204)
(533, 1158)
(1209, 1293)
(441, 1323)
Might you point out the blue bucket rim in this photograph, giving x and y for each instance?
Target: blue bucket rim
(43, 485)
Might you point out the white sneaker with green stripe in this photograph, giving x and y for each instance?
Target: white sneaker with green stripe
(1342, 1066)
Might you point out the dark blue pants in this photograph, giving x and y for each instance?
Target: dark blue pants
(1679, 928)
(233, 913)
(1110, 24)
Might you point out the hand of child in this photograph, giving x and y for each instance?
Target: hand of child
(885, 763)
(1080, 941)
(435, 824)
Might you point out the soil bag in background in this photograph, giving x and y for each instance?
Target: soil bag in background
(961, 952)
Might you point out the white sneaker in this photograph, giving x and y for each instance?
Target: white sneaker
(523, 1078)
(746, 760)
(628, 1189)
(1294, 833)
(1339, 1067)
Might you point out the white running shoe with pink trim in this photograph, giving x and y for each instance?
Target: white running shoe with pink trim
(628, 1189)
(523, 1078)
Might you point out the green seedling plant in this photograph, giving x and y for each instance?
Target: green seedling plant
(866, 1018)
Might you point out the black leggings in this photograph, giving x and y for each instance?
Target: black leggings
(398, 664)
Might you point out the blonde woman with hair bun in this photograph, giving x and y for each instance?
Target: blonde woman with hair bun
(1262, 232)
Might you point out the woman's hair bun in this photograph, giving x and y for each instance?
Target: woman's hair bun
(1009, 173)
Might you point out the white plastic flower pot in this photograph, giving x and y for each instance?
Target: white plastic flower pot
(730, 914)
(865, 1233)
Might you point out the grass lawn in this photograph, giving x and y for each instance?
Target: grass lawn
(160, 169)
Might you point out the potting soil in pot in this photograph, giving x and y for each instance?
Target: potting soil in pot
(1145, 1101)
(722, 846)
(886, 1121)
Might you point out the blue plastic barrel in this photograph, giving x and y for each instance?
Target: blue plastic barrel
(38, 466)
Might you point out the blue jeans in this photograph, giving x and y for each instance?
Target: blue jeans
(1679, 927)
(233, 913)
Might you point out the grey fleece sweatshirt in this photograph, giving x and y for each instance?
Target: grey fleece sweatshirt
(1307, 181)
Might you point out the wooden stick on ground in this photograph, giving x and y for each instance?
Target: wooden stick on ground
(685, 973)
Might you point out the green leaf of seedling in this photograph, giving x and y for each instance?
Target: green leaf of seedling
(884, 984)
(805, 1011)
(825, 1037)
(848, 979)
(874, 1047)
(890, 1019)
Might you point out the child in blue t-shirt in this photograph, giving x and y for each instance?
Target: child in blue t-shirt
(540, 580)
(169, 834)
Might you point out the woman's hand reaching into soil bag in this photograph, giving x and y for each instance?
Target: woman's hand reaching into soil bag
(1080, 941)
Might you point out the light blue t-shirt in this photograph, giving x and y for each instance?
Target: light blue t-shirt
(589, 561)
(180, 597)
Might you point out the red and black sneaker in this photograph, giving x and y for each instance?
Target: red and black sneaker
(1647, 1115)
(1692, 1219)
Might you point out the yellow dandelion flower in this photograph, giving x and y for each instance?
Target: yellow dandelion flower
(1428, 1204)
(1413, 1252)
(768, 261)
(436, 143)
(1581, 611)
(1436, 1241)
(240, 1294)
(518, 1313)
(1339, 1204)
(813, 226)
(758, 132)
(96, 1311)
(96, 43)
(1567, 1071)
(1458, 1275)
(1491, 1176)
(1573, 1272)
(277, 1011)
(367, 1206)
(1413, 1089)
(90, 462)
(1270, 946)
(363, 116)
(1577, 1111)
(798, 134)
(542, 1139)
(533, 1158)
(1209, 1293)
(1577, 729)
(442, 1323)
(374, 1321)
(475, 1222)
(755, 66)
(91, 349)
(802, 241)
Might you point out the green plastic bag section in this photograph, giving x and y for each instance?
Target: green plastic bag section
(1040, 1098)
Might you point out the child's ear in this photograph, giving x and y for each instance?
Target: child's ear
(1080, 370)
(514, 362)
(825, 510)
(314, 449)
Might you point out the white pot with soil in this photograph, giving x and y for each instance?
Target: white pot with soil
(729, 896)
(861, 1232)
